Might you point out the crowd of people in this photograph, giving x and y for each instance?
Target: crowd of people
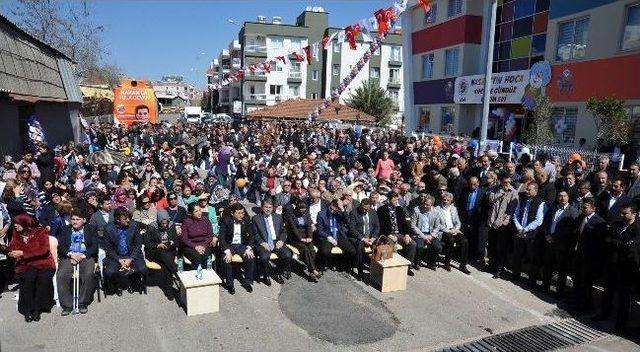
(186, 192)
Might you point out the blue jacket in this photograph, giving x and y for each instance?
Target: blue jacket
(134, 242)
(323, 225)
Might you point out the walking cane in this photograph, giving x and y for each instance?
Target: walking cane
(76, 288)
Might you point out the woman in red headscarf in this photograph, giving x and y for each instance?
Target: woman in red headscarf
(34, 267)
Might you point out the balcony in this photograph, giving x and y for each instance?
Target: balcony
(235, 62)
(256, 76)
(394, 84)
(256, 50)
(294, 77)
(395, 63)
(256, 99)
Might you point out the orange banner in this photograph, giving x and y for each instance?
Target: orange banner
(135, 102)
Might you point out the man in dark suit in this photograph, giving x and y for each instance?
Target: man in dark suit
(471, 212)
(237, 236)
(122, 243)
(482, 170)
(588, 256)
(365, 229)
(621, 266)
(633, 189)
(395, 224)
(333, 231)
(546, 189)
(559, 229)
(160, 247)
(77, 245)
(611, 202)
(270, 237)
(104, 216)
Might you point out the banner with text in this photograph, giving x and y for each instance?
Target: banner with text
(506, 88)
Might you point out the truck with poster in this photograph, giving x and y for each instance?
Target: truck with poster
(135, 102)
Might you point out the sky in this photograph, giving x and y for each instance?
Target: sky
(148, 39)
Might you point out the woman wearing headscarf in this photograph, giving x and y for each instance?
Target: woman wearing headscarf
(121, 200)
(34, 267)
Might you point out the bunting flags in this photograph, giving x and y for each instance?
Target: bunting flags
(307, 51)
(282, 58)
(297, 57)
(383, 21)
(426, 5)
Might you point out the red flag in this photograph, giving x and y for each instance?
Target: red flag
(239, 75)
(351, 32)
(307, 51)
(282, 58)
(297, 57)
(252, 68)
(383, 21)
(267, 67)
(426, 5)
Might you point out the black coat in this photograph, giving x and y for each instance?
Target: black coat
(90, 241)
(356, 224)
(385, 220)
(153, 238)
(590, 242)
(610, 214)
(297, 231)
(134, 241)
(260, 226)
(566, 227)
(247, 232)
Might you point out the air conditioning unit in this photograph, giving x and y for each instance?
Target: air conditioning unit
(277, 20)
(261, 19)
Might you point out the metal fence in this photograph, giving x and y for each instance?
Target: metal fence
(591, 158)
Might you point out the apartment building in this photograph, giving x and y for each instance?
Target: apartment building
(264, 38)
(592, 46)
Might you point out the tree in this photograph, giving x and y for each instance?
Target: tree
(539, 131)
(611, 119)
(103, 74)
(205, 101)
(373, 100)
(68, 27)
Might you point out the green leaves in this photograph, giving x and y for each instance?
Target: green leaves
(611, 119)
(373, 100)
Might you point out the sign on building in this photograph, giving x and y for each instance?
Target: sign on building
(506, 88)
(135, 101)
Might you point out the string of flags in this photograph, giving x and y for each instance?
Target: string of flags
(373, 29)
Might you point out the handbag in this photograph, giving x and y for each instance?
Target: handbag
(382, 250)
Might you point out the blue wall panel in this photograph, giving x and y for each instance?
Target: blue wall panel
(560, 8)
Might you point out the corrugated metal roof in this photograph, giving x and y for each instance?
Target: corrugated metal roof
(69, 80)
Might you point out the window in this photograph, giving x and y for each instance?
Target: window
(427, 66)
(394, 96)
(454, 8)
(374, 72)
(276, 43)
(336, 46)
(279, 66)
(295, 45)
(394, 75)
(631, 35)
(524, 8)
(395, 53)
(451, 61)
(314, 75)
(564, 122)
(294, 91)
(252, 89)
(295, 66)
(336, 70)
(275, 89)
(431, 16)
(633, 111)
(572, 39)
(424, 118)
(447, 118)
(314, 95)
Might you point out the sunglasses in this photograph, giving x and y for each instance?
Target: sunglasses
(172, 198)
(25, 171)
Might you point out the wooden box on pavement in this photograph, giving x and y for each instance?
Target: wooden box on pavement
(200, 296)
(390, 274)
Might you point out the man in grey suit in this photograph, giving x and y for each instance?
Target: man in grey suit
(271, 237)
(103, 217)
(634, 181)
(424, 225)
(449, 225)
(363, 232)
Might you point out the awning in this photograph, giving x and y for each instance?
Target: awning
(34, 99)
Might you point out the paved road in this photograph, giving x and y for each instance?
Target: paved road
(339, 314)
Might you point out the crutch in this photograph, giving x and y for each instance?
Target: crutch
(76, 288)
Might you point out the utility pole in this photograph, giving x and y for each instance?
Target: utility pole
(487, 76)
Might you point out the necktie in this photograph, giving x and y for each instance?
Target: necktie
(334, 228)
(584, 223)
(366, 225)
(268, 220)
(525, 214)
(394, 221)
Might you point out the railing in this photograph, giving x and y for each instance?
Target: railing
(236, 62)
(394, 81)
(258, 96)
(256, 73)
(295, 74)
(256, 47)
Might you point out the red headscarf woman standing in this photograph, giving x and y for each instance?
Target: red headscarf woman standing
(34, 267)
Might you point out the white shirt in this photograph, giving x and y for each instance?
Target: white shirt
(105, 216)
(237, 230)
(556, 216)
(271, 231)
(448, 221)
(612, 200)
(314, 210)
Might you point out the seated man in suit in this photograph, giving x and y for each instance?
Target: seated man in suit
(237, 236)
(160, 247)
(449, 225)
(104, 216)
(395, 225)
(300, 234)
(365, 229)
(428, 239)
(122, 243)
(333, 231)
(77, 245)
(271, 237)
